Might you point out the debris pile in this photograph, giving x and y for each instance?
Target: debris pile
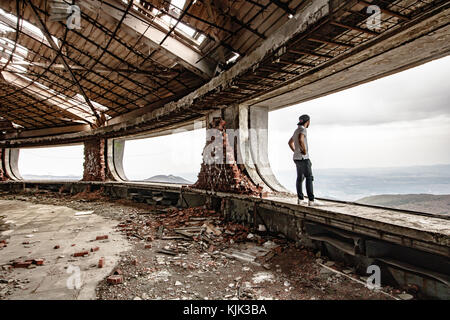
(194, 253)
(8, 286)
(219, 170)
(204, 226)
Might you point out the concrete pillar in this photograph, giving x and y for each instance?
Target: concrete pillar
(103, 160)
(94, 166)
(251, 130)
(242, 131)
(9, 169)
(219, 170)
(258, 144)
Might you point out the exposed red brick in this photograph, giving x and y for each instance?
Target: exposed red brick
(94, 160)
(118, 272)
(56, 247)
(81, 253)
(114, 279)
(104, 237)
(101, 262)
(95, 249)
(147, 246)
(225, 175)
(38, 262)
(21, 264)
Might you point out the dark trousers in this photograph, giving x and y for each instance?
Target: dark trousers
(304, 171)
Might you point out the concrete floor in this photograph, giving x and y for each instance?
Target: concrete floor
(44, 227)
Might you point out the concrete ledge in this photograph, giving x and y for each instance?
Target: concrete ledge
(425, 232)
(418, 243)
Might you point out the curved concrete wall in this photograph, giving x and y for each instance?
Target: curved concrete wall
(11, 163)
(115, 149)
(259, 134)
(248, 128)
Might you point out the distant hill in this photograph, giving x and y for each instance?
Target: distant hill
(437, 204)
(168, 179)
(356, 183)
(49, 177)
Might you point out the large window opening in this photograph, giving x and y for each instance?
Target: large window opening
(383, 143)
(173, 158)
(52, 163)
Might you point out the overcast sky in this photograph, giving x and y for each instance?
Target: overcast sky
(400, 120)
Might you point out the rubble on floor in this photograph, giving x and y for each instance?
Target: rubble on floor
(194, 253)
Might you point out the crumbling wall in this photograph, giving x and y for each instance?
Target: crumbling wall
(219, 170)
(94, 160)
(3, 176)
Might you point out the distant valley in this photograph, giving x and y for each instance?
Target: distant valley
(437, 204)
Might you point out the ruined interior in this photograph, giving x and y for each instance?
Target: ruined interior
(98, 72)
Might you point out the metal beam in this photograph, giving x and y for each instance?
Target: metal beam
(283, 5)
(334, 43)
(181, 52)
(311, 53)
(51, 98)
(49, 38)
(354, 28)
(46, 132)
(387, 11)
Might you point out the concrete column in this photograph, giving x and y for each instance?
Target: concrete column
(94, 165)
(251, 132)
(219, 170)
(258, 144)
(3, 176)
(243, 135)
(115, 150)
(9, 169)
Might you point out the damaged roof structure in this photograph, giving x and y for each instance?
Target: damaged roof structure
(99, 72)
(105, 63)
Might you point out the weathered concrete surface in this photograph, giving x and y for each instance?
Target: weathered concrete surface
(397, 226)
(49, 226)
(385, 218)
(9, 164)
(219, 170)
(114, 160)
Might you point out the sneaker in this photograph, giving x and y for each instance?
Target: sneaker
(302, 202)
(315, 203)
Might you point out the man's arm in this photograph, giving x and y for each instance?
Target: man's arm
(301, 140)
(291, 144)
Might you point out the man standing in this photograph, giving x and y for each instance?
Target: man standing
(299, 145)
